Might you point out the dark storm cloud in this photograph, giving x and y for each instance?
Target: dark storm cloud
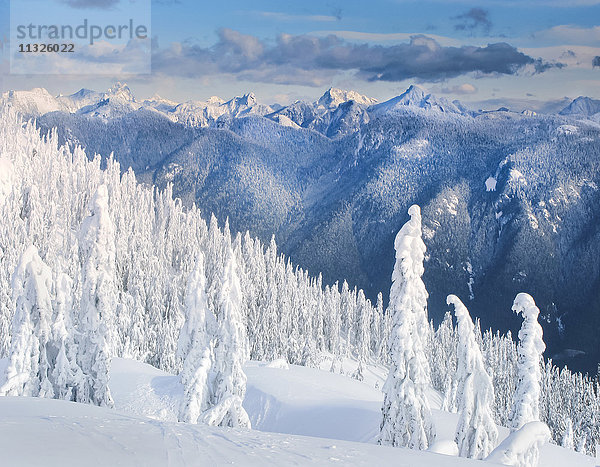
(311, 60)
(540, 65)
(475, 18)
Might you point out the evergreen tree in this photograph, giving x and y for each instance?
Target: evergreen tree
(195, 347)
(406, 414)
(66, 374)
(362, 340)
(530, 349)
(567, 440)
(334, 326)
(376, 325)
(443, 362)
(29, 369)
(476, 432)
(231, 351)
(96, 315)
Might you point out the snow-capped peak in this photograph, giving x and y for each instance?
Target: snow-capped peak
(247, 104)
(81, 94)
(248, 99)
(35, 102)
(115, 102)
(585, 106)
(334, 97)
(81, 98)
(205, 113)
(121, 92)
(416, 96)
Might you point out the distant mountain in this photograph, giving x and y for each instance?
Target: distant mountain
(33, 103)
(333, 97)
(335, 114)
(510, 201)
(116, 102)
(158, 103)
(82, 98)
(582, 106)
(417, 97)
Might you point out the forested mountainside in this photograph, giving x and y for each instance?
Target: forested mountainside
(510, 201)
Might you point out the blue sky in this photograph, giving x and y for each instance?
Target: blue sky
(524, 53)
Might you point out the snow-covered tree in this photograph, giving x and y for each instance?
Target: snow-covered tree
(231, 351)
(581, 444)
(29, 370)
(476, 432)
(334, 326)
(362, 339)
(6, 307)
(347, 317)
(567, 440)
(443, 360)
(195, 347)
(66, 374)
(96, 316)
(406, 414)
(376, 324)
(530, 349)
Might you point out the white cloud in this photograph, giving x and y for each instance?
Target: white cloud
(388, 37)
(569, 34)
(459, 89)
(278, 16)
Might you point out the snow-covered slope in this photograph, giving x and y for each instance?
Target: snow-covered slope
(280, 398)
(60, 434)
(305, 401)
(296, 400)
(142, 430)
(290, 401)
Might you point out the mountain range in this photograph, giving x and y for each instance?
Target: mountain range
(510, 200)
